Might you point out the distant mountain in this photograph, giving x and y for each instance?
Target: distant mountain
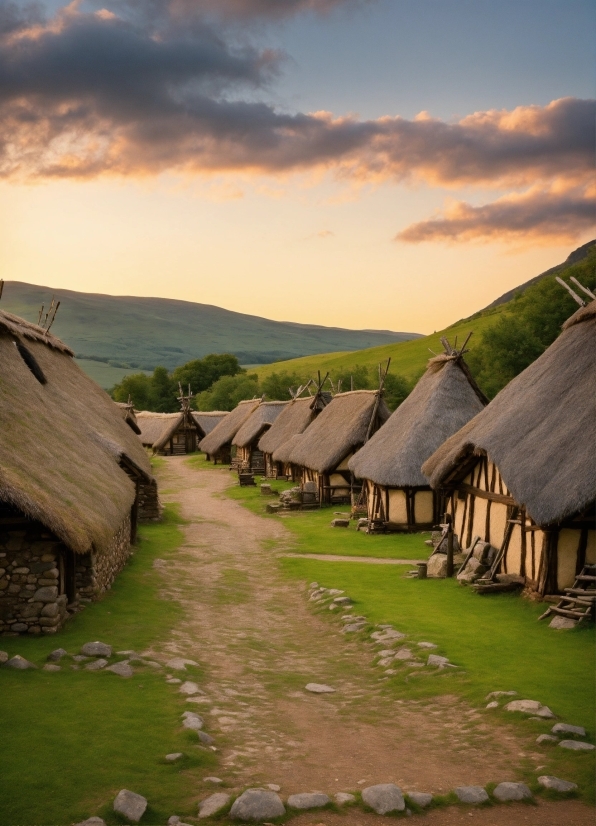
(141, 333)
(573, 258)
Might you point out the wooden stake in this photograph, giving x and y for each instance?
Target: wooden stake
(573, 278)
(571, 292)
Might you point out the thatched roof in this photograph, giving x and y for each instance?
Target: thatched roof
(340, 428)
(284, 452)
(128, 414)
(62, 440)
(225, 431)
(293, 419)
(259, 421)
(158, 428)
(208, 420)
(539, 430)
(445, 398)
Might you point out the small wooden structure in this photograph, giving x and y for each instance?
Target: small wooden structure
(324, 449)
(74, 481)
(168, 434)
(127, 412)
(521, 474)
(397, 494)
(249, 456)
(218, 444)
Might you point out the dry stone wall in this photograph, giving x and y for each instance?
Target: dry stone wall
(107, 565)
(149, 505)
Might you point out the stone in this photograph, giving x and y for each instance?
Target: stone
(121, 669)
(384, 798)
(19, 627)
(179, 663)
(435, 659)
(192, 721)
(342, 798)
(3, 657)
(78, 658)
(319, 688)
(473, 570)
(471, 794)
(174, 756)
(189, 688)
(50, 609)
(308, 800)
(562, 623)
(530, 707)
(216, 780)
(576, 745)
(173, 681)
(565, 728)
(494, 704)
(96, 649)
(257, 805)
(57, 654)
(20, 663)
(48, 593)
(274, 787)
(422, 799)
(404, 654)
(205, 738)
(130, 804)
(213, 804)
(96, 665)
(556, 784)
(353, 627)
(342, 601)
(51, 667)
(92, 821)
(387, 635)
(340, 523)
(505, 792)
(547, 738)
(494, 694)
(426, 645)
(437, 566)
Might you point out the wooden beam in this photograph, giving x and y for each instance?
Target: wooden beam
(486, 494)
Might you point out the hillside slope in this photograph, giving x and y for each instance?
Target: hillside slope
(142, 333)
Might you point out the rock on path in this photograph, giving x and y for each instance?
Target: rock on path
(130, 804)
(530, 707)
(556, 784)
(308, 800)
(342, 798)
(96, 649)
(421, 799)
(384, 798)
(319, 688)
(256, 805)
(214, 804)
(471, 794)
(576, 745)
(512, 791)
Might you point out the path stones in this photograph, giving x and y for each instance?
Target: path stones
(353, 627)
(496, 694)
(494, 704)
(426, 645)
(576, 745)
(421, 799)
(95, 665)
(556, 784)
(130, 804)
(319, 688)
(256, 805)
(386, 635)
(547, 738)
(564, 728)
(174, 756)
(562, 623)
(189, 688)
(274, 787)
(53, 657)
(343, 601)
(96, 649)
(205, 738)
(530, 707)
(122, 669)
(192, 721)
(512, 791)
(19, 663)
(51, 667)
(216, 780)
(471, 794)
(435, 659)
(343, 798)
(213, 804)
(308, 800)
(404, 654)
(92, 821)
(179, 663)
(384, 798)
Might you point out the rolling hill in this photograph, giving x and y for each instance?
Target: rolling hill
(120, 333)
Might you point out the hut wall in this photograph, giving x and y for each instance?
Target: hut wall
(424, 507)
(398, 510)
(567, 546)
(591, 547)
(104, 567)
(149, 506)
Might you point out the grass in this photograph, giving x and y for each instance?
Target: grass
(71, 740)
(496, 640)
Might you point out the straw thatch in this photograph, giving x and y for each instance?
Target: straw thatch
(539, 430)
(158, 428)
(293, 419)
(445, 398)
(341, 427)
(284, 451)
(62, 441)
(225, 431)
(207, 421)
(128, 414)
(258, 422)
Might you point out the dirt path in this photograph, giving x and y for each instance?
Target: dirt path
(259, 644)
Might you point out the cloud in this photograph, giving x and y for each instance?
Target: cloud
(325, 233)
(550, 215)
(273, 9)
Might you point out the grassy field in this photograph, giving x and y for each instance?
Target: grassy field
(408, 358)
(497, 641)
(104, 374)
(71, 740)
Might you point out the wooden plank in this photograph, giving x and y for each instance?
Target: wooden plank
(579, 591)
(564, 612)
(485, 494)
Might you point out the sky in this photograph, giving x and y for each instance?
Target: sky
(387, 164)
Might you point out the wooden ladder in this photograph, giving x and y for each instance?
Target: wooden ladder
(579, 601)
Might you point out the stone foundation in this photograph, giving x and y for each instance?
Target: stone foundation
(149, 506)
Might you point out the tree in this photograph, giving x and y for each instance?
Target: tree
(164, 392)
(276, 386)
(228, 391)
(397, 389)
(356, 377)
(137, 387)
(202, 373)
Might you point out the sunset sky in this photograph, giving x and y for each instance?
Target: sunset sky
(389, 164)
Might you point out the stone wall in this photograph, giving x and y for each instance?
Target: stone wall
(30, 579)
(95, 572)
(149, 506)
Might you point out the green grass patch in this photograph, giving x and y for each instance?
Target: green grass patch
(71, 740)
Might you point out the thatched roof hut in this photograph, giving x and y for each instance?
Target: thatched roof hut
(168, 433)
(326, 446)
(246, 439)
(398, 494)
(296, 416)
(128, 414)
(69, 463)
(206, 421)
(528, 451)
(217, 443)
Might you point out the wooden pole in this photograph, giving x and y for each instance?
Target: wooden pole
(449, 524)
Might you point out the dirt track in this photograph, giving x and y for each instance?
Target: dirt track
(259, 644)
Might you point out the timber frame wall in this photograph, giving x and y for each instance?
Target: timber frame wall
(405, 509)
(547, 557)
